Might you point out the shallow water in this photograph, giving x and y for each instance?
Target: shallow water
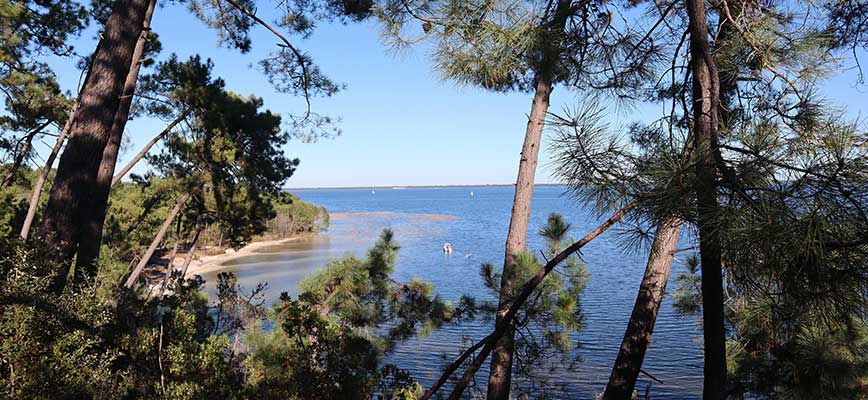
(476, 225)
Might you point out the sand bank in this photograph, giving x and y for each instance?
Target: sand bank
(211, 263)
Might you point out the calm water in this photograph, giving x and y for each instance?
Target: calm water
(476, 225)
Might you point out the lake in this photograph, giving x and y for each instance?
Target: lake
(475, 221)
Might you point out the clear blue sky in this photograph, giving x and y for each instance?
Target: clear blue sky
(402, 125)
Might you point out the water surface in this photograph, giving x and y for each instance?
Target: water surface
(475, 221)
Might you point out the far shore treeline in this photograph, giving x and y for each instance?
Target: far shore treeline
(742, 156)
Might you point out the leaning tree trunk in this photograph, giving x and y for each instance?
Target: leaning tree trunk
(706, 107)
(134, 276)
(43, 176)
(75, 181)
(141, 154)
(21, 155)
(93, 210)
(500, 372)
(189, 257)
(638, 335)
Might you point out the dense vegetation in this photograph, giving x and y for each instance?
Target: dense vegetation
(770, 178)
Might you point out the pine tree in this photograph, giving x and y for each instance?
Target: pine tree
(530, 47)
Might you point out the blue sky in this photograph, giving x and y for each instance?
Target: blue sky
(402, 125)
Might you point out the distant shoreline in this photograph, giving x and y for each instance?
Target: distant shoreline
(489, 185)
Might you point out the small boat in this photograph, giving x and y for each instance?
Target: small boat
(447, 248)
(372, 192)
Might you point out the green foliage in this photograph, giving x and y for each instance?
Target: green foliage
(135, 212)
(294, 216)
(75, 345)
(332, 338)
(508, 45)
(552, 312)
(363, 295)
(318, 359)
(31, 95)
(14, 201)
(688, 292)
(230, 156)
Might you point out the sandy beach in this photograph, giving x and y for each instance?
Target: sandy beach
(210, 263)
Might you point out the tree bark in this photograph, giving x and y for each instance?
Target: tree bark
(43, 176)
(141, 154)
(134, 276)
(21, 155)
(79, 164)
(500, 372)
(93, 210)
(641, 326)
(706, 108)
(189, 257)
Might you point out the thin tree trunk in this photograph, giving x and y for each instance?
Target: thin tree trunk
(706, 107)
(134, 276)
(641, 325)
(160, 360)
(169, 268)
(93, 210)
(141, 154)
(21, 155)
(148, 207)
(79, 164)
(500, 372)
(43, 176)
(189, 258)
(235, 341)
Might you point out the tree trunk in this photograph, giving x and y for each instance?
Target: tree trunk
(189, 257)
(148, 146)
(21, 155)
(146, 210)
(500, 372)
(79, 164)
(706, 107)
(641, 325)
(43, 176)
(169, 268)
(93, 209)
(134, 276)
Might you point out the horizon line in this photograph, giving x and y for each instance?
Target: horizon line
(481, 185)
